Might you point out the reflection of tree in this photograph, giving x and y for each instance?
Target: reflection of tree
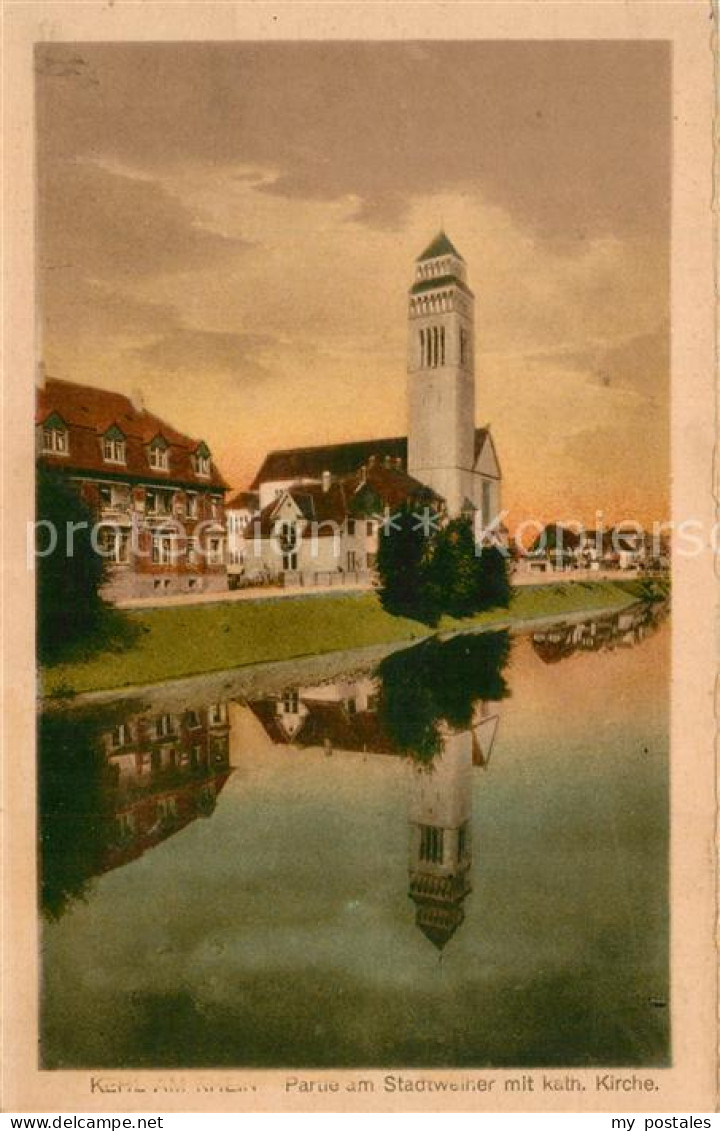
(76, 813)
(438, 682)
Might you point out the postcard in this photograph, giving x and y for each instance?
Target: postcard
(360, 634)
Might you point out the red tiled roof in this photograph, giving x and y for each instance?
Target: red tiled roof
(339, 459)
(354, 496)
(243, 501)
(89, 413)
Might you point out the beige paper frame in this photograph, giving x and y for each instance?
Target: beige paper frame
(690, 1084)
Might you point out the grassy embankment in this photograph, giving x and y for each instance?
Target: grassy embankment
(175, 642)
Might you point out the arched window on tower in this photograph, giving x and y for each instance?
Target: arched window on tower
(442, 345)
(463, 347)
(422, 348)
(435, 346)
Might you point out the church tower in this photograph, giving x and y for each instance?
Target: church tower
(441, 377)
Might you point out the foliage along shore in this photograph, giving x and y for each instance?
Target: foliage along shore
(176, 642)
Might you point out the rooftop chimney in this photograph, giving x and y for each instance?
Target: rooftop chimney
(137, 400)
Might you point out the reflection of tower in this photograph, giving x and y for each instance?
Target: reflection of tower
(440, 844)
(440, 826)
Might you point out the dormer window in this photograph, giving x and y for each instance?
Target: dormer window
(55, 436)
(114, 446)
(202, 460)
(159, 454)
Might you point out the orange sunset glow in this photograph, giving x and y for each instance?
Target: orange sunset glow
(231, 228)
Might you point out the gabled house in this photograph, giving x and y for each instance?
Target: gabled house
(328, 531)
(157, 495)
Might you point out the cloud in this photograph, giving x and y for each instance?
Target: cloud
(110, 226)
(573, 138)
(193, 351)
(640, 364)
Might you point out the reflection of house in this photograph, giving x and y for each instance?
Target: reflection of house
(156, 493)
(336, 716)
(623, 630)
(165, 771)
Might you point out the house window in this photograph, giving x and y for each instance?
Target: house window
(163, 726)
(120, 736)
(290, 702)
(162, 549)
(217, 714)
(159, 455)
(192, 551)
(114, 498)
(202, 460)
(351, 526)
(125, 825)
(352, 560)
(290, 560)
(158, 501)
(193, 720)
(192, 504)
(55, 440)
(114, 447)
(167, 809)
(115, 545)
(215, 551)
(370, 529)
(215, 502)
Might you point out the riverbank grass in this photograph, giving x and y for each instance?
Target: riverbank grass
(175, 642)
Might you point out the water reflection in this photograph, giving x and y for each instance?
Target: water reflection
(302, 924)
(435, 704)
(624, 630)
(115, 784)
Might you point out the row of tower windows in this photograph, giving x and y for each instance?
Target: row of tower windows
(432, 304)
(431, 844)
(432, 347)
(433, 268)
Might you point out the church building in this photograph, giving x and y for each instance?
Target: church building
(443, 452)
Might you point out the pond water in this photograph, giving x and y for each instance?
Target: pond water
(456, 857)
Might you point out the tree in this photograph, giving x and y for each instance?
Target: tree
(493, 579)
(68, 576)
(402, 566)
(453, 569)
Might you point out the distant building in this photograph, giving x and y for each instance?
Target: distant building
(240, 511)
(157, 494)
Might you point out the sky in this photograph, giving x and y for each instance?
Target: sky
(231, 228)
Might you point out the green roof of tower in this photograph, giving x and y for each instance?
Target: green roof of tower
(441, 245)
